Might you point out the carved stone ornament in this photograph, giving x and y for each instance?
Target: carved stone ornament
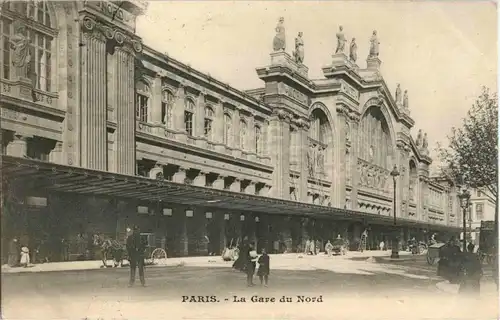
(282, 114)
(110, 33)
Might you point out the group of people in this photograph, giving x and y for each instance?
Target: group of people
(462, 268)
(19, 254)
(247, 262)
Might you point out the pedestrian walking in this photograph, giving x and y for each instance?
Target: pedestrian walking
(14, 250)
(264, 268)
(471, 272)
(25, 257)
(250, 267)
(329, 248)
(135, 249)
(382, 245)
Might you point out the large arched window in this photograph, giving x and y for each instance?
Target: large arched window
(143, 95)
(258, 140)
(208, 122)
(227, 129)
(319, 156)
(27, 23)
(375, 141)
(243, 134)
(189, 116)
(167, 102)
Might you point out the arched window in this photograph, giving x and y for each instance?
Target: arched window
(27, 22)
(167, 102)
(189, 116)
(375, 141)
(258, 140)
(209, 119)
(143, 96)
(227, 129)
(243, 134)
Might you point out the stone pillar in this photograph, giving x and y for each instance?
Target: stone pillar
(251, 134)
(180, 176)
(93, 96)
(201, 179)
(337, 192)
(199, 117)
(236, 185)
(354, 151)
(55, 155)
(18, 147)
(219, 126)
(280, 149)
(235, 137)
(250, 189)
(219, 183)
(302, 148)
(156, 101)
(125, 113)
(178, 110)
(286, 234)
(183, 236)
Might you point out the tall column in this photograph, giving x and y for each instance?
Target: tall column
(156, 101)
(125, 113)
(280, 149)
(235, 138)
(337, 192)
(251, 133)
(18, 147)
(178, 110)
(219, 127)
(302, 149)
(354, 164)
(93, 96)
(199, 118)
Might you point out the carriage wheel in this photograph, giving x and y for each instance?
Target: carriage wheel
(159, 256)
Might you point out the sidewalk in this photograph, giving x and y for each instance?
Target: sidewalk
(203, 261)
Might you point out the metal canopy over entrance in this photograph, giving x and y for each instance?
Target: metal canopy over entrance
(67, 179)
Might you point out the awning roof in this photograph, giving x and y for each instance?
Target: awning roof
(67, 179)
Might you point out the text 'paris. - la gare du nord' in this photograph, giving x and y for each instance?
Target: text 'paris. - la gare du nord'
(253, 299)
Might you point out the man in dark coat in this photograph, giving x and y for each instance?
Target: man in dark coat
(135, 249)
(14, 252)
(471, 272)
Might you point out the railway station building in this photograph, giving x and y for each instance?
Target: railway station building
(101, 132)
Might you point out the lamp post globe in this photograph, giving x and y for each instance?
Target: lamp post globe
(395, 242)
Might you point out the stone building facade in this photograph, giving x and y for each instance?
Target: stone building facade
(93, 96)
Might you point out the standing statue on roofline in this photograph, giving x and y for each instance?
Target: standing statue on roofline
(340, 41)
(374, 45)
(279, 42)
(353, 52)
(299, 49)
(398, 94)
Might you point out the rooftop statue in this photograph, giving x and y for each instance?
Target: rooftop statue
(353, 52)
(419, 138)
(425, 142)
(398, 94)
(374, 45)
(340, 41)
(279, 42)
(405, 100)
(299, 49)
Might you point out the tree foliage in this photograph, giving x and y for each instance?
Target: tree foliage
(471, 157)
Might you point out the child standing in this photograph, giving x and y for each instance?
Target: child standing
(264, 268)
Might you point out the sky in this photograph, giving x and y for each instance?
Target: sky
(441, 52)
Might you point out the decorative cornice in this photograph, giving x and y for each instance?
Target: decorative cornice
(106, 32)
(347, 112)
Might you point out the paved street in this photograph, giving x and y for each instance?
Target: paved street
(348, 289)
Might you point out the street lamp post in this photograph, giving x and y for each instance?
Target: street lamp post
(464, 203)
(395, 242)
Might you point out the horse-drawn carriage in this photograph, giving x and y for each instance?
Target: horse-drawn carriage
(434, 253)
(117, 251)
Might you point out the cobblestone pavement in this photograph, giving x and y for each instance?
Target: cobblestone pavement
(349, 289)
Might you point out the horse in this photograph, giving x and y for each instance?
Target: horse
(110, 248)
